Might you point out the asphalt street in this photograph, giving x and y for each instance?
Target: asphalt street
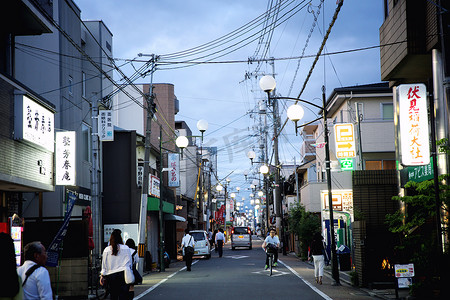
(240, 274)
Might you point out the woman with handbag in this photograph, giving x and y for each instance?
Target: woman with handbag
(134, 259)
(317, 252)
(116, 267)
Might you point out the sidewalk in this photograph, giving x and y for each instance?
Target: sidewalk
(344, 277)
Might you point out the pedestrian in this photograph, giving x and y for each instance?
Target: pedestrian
(134, 259)
(35, 277)
(214, 240)
(220, 241)
(188, 243)
(317, 251)
(116, 257)
(11, 284)
(210, 234)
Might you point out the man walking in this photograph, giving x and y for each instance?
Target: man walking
(188, 245)
(35, 277)
(220, 239)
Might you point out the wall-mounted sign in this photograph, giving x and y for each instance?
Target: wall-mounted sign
(105, 126)
(154, 186)
(34, 123)
(65, 158)
(174, 169)
(342, 200)
(345, 140)
(414, 134)
(140, 176)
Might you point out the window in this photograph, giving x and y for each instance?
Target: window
(83, 84)
(387, 111)
(70, 85)
(86, 142)
(380, 165)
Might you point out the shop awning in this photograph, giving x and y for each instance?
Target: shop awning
(170, 217)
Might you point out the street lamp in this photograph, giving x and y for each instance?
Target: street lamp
(295, 113)
(264, 169)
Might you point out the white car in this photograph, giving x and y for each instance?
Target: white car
(201, 247)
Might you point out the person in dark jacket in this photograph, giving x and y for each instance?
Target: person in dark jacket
(317, 250)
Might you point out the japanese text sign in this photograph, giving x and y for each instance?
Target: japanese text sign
(105, 126)
(34, 123)
(154, 186)
(174, 169)
(414, 134)
(345, 141)
(342, 200)
(65, 158)
(404, 270)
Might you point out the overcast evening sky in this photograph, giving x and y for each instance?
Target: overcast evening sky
(219, 92)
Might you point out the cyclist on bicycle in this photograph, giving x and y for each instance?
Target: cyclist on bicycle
(270, 245)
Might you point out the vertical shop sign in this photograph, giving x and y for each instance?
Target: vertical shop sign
(174, 169)
(65, 158)
(414, 133)
(105, 126)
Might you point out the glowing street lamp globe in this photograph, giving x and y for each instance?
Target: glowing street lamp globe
(295, 112)
(264, 169)
(182, 142)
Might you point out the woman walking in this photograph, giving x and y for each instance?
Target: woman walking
(116, 257)
(317, 251)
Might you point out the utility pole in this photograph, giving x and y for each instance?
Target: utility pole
(161, 215)
(277, 196)
(144, 196)
(297, 187)
(95, 182)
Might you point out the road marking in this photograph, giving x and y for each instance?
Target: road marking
(274, 272)
(161, 282)
(236, 256)
(306, 282)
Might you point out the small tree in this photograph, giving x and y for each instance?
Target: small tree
(303, 224)
(416, 227)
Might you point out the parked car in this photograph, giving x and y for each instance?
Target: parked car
(241, 237)
(201, 247)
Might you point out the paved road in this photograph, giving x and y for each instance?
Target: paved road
(240, 274)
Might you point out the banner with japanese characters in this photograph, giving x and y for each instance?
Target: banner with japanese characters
(413, 117)
(65, 158)
(174, 169)
(154, 188)
(105, 126)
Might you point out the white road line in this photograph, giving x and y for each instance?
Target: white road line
(307, 283)
(161, 282)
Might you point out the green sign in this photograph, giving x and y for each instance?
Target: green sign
(346, 164)
(421, 173)
(153, 205)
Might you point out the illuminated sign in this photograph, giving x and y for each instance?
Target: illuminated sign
(346, 164)
(105, 126)
(34, 123)
(342, 200)
(65, 158)
(345, 140)
(414, 134)
(404, 270)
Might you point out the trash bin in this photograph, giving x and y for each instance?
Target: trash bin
(344, 258)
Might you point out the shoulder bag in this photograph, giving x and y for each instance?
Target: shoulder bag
(189, 250)
(137, 276)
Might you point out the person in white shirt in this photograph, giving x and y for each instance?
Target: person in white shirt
(187, 241)
(116, 257)
(220, 240)
(271, 241)
(36, 284)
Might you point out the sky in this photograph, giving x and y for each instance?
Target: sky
(219, 91)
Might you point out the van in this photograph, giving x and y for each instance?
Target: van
(201, 247)
(241, 237)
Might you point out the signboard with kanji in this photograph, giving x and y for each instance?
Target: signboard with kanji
(345, 140)
(413, 117)
(105, 126)
(65, 158)
(174, 169)
(342, 200)
(404, 270)
(154, 186)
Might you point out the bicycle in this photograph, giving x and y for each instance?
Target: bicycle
(270, 250)
(95, 289)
